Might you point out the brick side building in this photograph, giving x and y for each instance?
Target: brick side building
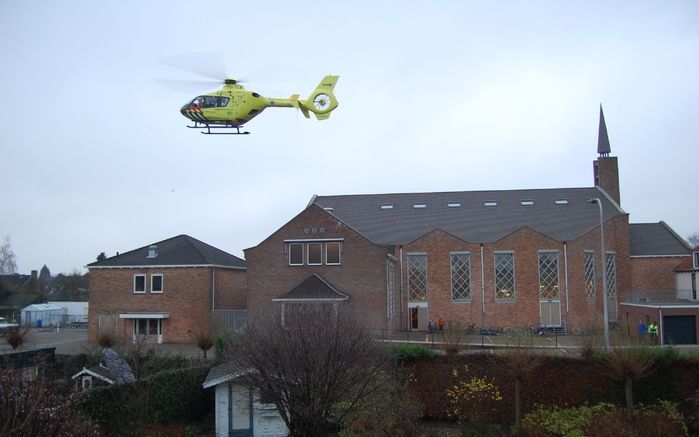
(165, 290)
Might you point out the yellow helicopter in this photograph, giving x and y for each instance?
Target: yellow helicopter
(232, 106)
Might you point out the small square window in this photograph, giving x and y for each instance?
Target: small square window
(526, 202)
(561, 201)
(387, 206)
(332, 253)
(490, 203)
(139, 283)
(420, 205)
(454, 204)
(295, 254)
(156, 283)
(315, 256)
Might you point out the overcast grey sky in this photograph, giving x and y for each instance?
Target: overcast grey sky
(434, 96)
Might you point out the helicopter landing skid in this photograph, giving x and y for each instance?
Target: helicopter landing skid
(218, 126)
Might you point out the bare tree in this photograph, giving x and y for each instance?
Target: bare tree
(520, 360)
(204, 333)
(8, 265)
(16, 336)
(30, 407)
(693, 239)
(316, 363)
(628, 364)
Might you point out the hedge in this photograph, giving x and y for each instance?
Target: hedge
(172, 396)
(557, 381)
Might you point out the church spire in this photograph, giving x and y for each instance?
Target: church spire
(603, 148)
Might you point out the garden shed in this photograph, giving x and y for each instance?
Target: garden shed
(39, 315)
(239, 410)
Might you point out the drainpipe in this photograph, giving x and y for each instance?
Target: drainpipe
(401, 287)
(482, 289)
(213, 288)
(660, 331)
(565, 280)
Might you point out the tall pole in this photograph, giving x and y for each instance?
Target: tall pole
(604, 273)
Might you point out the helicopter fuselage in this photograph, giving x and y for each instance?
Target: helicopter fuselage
(232, 106)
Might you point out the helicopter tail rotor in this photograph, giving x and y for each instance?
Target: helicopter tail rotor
(321, 101)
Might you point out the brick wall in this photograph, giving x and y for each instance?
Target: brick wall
(524, 309)
(361, 275)
(186, 297)
(231, 289)
(654, 276)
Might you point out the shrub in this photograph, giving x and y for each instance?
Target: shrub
(603, 420)
(16, 336)
(222, 342)
(411, 352)
(170, 397)
(472, 398)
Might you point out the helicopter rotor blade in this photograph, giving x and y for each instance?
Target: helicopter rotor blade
(208, 65)
(189, 85)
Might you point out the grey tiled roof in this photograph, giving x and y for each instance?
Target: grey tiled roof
(471, 221)
(313, 288)
(179, 250)
(647, 239)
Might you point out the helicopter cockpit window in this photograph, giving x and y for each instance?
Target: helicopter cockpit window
(198, 102)
(210, 101)
(223, 101)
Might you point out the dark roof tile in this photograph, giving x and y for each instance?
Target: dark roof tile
(181, 250)
(649, 239)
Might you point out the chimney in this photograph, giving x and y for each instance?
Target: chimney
(605, 167)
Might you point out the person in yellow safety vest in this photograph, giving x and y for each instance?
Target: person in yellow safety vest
(653, 332)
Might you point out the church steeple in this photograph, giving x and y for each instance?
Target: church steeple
(603, 148)
(605, 167)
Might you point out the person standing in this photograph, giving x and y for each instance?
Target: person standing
(653, 332)
(641, 329)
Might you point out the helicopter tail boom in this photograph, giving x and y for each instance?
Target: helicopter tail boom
(321, 101)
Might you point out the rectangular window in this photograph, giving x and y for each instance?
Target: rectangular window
(548, 275)
(147, 326)
(139, 283)
(696, 260)
(295, 254)
(504, 275)
(611, 275)
(460, 277)
(332, 254)
(156, 283)
(417, 277)
(590, 275)
(315, 254)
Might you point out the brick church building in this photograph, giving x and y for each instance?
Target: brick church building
(506, 258)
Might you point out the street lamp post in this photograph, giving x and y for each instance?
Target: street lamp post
(604, 272)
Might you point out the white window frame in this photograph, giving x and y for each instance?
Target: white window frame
(144, 276)
(302, 257)
(320, 253)
(162, 283)
(695, 257)
(339, 253)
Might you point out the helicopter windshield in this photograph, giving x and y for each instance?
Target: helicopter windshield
(209, 102)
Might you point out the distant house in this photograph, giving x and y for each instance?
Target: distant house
(165, 291)
(239, 410)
